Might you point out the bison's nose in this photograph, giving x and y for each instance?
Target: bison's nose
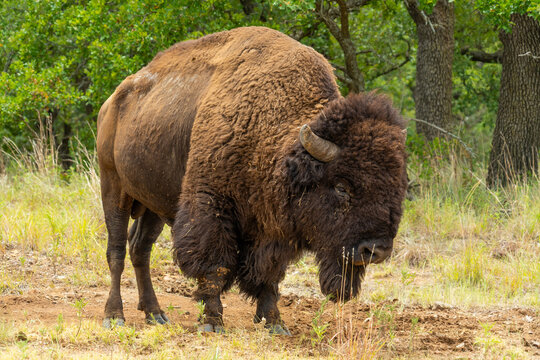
(371, 253)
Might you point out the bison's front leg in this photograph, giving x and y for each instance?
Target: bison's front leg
(267, 309)
(260, 271)
(210, 288)
(206, 248)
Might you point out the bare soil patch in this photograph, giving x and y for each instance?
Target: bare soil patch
(410, 331)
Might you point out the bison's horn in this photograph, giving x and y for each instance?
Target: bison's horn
(321, 149)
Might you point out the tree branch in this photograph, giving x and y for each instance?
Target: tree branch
(299, 34)
(352, 5)
(343, 37)
(368, 51)
(395, 67)
(406, 55)
(344, 78)
(9, 59)
(355, 4)
(482, 56)
(413, 7)
(465, 146)
(337, 66)
(325, 16)
(528, 53)
(344, 19)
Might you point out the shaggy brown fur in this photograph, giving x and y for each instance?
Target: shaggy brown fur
(251, 198)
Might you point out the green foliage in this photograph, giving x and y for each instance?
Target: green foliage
(498, 12)
(385, 316)
(476, 85)
(488, 342)
(295, 6)
(63, 58)
(383, 35)
(80, 305)
(427, 5)
(318, 329)
(200, 311)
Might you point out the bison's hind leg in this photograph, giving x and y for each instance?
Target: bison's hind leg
(142, 235)
(116, 207)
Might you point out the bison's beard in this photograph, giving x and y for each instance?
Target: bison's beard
(339, 281)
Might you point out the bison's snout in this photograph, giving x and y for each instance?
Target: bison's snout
(371, 253)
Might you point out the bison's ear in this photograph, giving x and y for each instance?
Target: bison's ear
(302, 170)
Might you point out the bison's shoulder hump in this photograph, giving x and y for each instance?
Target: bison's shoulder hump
(254, 45)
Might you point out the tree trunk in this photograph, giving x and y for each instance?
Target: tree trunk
(516, 139)
(66, 160)
(433, 92)
(248, 6)
(62, 133)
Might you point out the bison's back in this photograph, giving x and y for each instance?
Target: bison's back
(144, 127)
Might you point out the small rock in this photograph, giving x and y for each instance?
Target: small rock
(459, 346)
(531, 343)
(440, 306)
(21, 336)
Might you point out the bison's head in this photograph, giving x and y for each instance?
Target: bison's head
(347, 179)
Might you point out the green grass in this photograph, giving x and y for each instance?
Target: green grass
(59, 219)
(479, 246)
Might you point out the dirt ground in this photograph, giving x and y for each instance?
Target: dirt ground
(412, 331)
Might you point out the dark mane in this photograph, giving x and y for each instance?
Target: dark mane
(343, 112)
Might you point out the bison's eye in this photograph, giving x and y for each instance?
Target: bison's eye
(342, 191)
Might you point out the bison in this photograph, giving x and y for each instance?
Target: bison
(242, 143)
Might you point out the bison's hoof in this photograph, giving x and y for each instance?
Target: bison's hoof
(277, 329)
(157, 319)
(110, 323)
(206, 328)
